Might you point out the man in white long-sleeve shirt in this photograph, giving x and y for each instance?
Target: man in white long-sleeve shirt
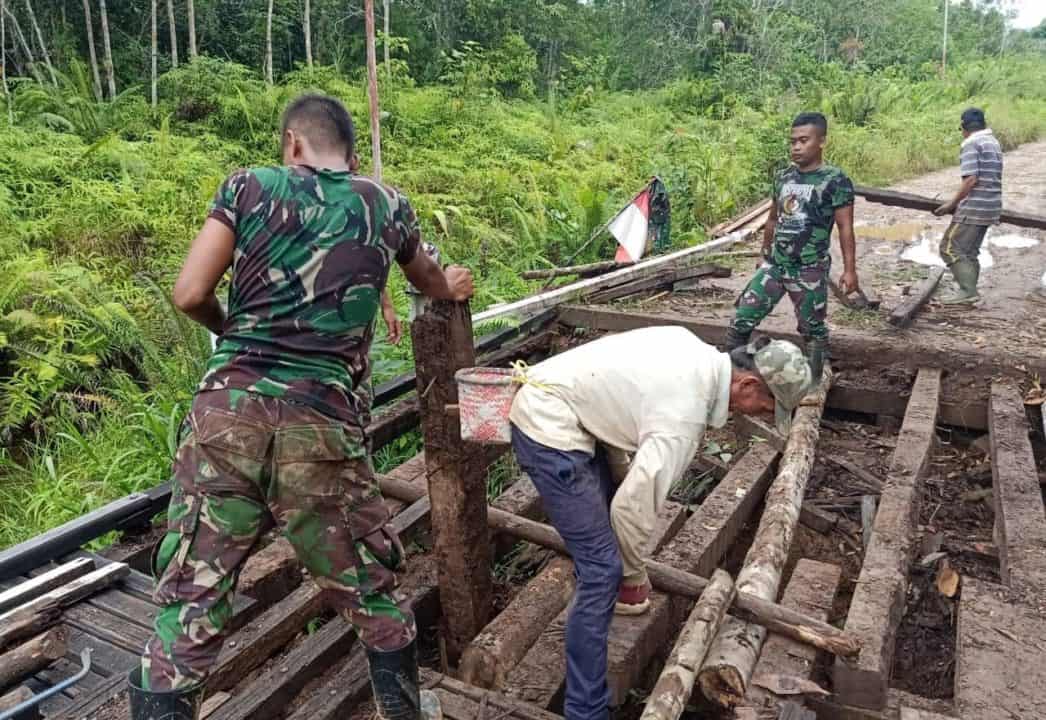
(649, 393)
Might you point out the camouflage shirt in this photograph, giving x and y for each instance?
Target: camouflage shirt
(806, 205)
(313, 252)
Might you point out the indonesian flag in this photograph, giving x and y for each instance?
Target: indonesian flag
(630, 227)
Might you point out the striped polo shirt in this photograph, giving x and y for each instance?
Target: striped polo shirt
(981, 155)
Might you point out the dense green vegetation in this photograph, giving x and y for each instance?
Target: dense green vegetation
(516, 128)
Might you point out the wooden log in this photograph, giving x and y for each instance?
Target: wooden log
(811, 589)
(15, 698)
(879, 598)
(729, 666)
(595, 268)
(442, 340)
(36, 586)
(746, 216)
(501, 704)
(668, 579)
(663, 279)
(488, 659)
(868, 505)
(902, 315)
(272, 573)
(1020, 519)
(31, 656)
(920, 202)
(39, 614)
(818, 519)
(672, 692)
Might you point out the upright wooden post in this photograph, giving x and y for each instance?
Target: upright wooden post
(372, 90)
(443, 344)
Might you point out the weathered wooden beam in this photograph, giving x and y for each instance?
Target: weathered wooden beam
(1020, 519)
(671, 693)
(15, 698)
(728, 668)
(664, 279)
(498, 704)
(746, 216)
(879, 599)
(920, 202)
(39, 614)
(442, 339)
(341, 694)
(36, 586)
(586, 270)
(810, 590)
(903, 314)
(271, 573)
(31, 656)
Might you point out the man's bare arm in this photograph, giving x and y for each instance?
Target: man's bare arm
(968, 183)
(209, 257)
(844, 219)
(453, 284)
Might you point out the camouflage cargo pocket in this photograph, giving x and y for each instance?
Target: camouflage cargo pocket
(381, 547)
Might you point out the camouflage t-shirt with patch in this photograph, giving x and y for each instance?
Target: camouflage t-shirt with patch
(313, 253)
(806, 205)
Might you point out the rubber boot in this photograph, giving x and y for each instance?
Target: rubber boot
(736, 339)
(173, 705)
(966, 273)
(816, 350)
(394, 679)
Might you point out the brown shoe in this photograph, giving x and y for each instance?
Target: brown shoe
(633, 599)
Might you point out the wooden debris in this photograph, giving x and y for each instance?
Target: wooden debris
(817, 518)
(920, 202)
(499, 705)
(272, 573)
(39, 614)
(664, 279)
(879, 598)
(31, 656)
(15, 698)
(868, 506)
(746, 216)
(859, 300)
(780, 684)
(729, 666)
(672, 692)
(36, 586)
(947, 579)
(341, 694)
(902, 315)
(212, 703)
(586, 270)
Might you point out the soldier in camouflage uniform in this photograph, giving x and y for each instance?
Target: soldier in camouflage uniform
(276, 436)
(809, 197)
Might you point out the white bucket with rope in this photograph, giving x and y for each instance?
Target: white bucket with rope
(484, 401)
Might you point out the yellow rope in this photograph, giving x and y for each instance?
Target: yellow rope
(520, 376)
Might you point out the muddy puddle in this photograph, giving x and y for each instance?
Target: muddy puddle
(918, 243)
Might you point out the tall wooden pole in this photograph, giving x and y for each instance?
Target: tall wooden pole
(89, 24)
(386, 21)
(154, 51)
(372, 87)
(944, 45)
(174, 33)
(268, 45)
(107, 49)
(307, 27)
(190, 9)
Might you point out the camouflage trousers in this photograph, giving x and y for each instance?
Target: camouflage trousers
(249, 463)
(807, 286)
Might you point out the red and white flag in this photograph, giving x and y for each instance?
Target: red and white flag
(631, 226)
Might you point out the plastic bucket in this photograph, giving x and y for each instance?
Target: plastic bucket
(484, 401)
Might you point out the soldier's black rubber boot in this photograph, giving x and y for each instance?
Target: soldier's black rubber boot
(736, 339)
(174, 705)
(394, 679)
(816, 350)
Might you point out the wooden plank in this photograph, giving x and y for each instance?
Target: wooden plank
(340, 694)
(457, 474)
(571, 292)
(1020, 518)
(664, 279)
(63, 669)
(911, 201)
(102, 625)
(538, 677)
(271, 573)
(913, 714)
(879, 599)
(42, 612)
(746, 216)
(903, 314)
(810, 590)
(49, 580)
(999, 671)
(15, 698)
(498, 704)
(125, 606)
(106, 659)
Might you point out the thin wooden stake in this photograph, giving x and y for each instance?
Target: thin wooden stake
(372, 90)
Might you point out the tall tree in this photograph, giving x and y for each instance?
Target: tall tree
(91, 51)
(26, 50)
(174, 33)
(155, 52)
(3, 60)
(268, 45)
(307, 26)
(372, 87)
(191, 10)
(107, 49)
(40, 41)
(385, 19)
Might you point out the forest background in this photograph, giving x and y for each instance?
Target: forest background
(516, 127)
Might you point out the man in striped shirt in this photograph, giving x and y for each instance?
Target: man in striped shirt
(977, 205)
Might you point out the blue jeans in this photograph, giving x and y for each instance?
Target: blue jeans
(576, 490)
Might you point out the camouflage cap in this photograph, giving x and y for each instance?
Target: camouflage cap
(783, 367)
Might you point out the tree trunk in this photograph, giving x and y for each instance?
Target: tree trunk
(154, 53)
(372, 87)
(174, 33)
(32, 656)
(26, 50)
(307, 27)
(672, 692)
(190, 8)
(91, 51)
(40, 41)
(268, 45)
(728, 669)
(3, 60)
(107, 50)
(385, 19)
